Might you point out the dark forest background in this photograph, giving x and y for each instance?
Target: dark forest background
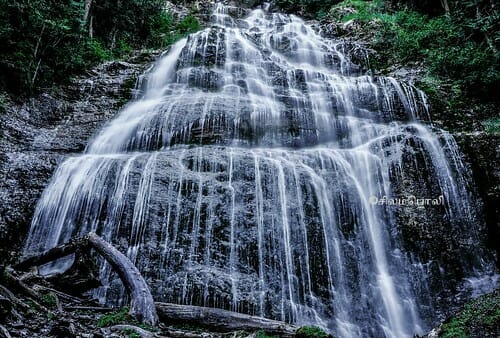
(46, 42)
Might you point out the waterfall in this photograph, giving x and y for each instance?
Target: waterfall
(261, 170)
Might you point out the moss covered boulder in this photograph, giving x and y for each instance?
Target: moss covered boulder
(480, 318)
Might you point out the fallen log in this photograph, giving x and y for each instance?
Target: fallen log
(5, 332)
(5, 307)
(9, 295)
(15, 283)
(89, 308)
(221, 320)
(52, 254)
(142, 305)
(181, 334)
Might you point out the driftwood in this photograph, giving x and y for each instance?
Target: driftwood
(15, 283)
(5, 333)
(221, 320)
(5, 307)
(9, 295)
(182, 334)
(52, 254)
(142, 305)
(62, 295)
(89, 308)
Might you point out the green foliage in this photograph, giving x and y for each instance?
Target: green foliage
(309, 8)
(131, 333)
(460, 48)
(115, 318)
(311, 332)
(160, 26)
(49, 300)
(263, 334)
(45, 42)
(492, 126)
(362, 11)
(122, 316)
(95, 52)
(38, 40)
(480, 315)
(188, 25)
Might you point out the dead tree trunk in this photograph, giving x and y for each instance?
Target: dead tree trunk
(52, 254)
(142, 306)
(142, 303)
(221, 320)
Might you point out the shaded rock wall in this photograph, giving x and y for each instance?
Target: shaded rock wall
(482, 152)
(35, 136)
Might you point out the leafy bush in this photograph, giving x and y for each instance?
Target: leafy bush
(312, 332)
(492, 125)
(44, 42)
(480, 315)
(188, 25)
(309, 8)
(160, 26)
(115, 318)
(95, 52)
(362, 10)
(49, 300)
(458, 48)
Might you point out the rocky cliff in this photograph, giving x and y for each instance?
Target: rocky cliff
(40, 132)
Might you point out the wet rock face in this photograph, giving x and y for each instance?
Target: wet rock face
(434, 236)
(37, 135)
(482, 152)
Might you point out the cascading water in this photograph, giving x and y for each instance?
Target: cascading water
(248, 175)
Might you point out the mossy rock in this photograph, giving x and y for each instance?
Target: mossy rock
(312, 332)
(479, 318)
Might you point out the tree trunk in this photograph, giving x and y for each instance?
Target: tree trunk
(87, 6)
(485, 33)
(446, 7)
(142, 303)
(87, 17)
(221, 320)
(52, 254)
